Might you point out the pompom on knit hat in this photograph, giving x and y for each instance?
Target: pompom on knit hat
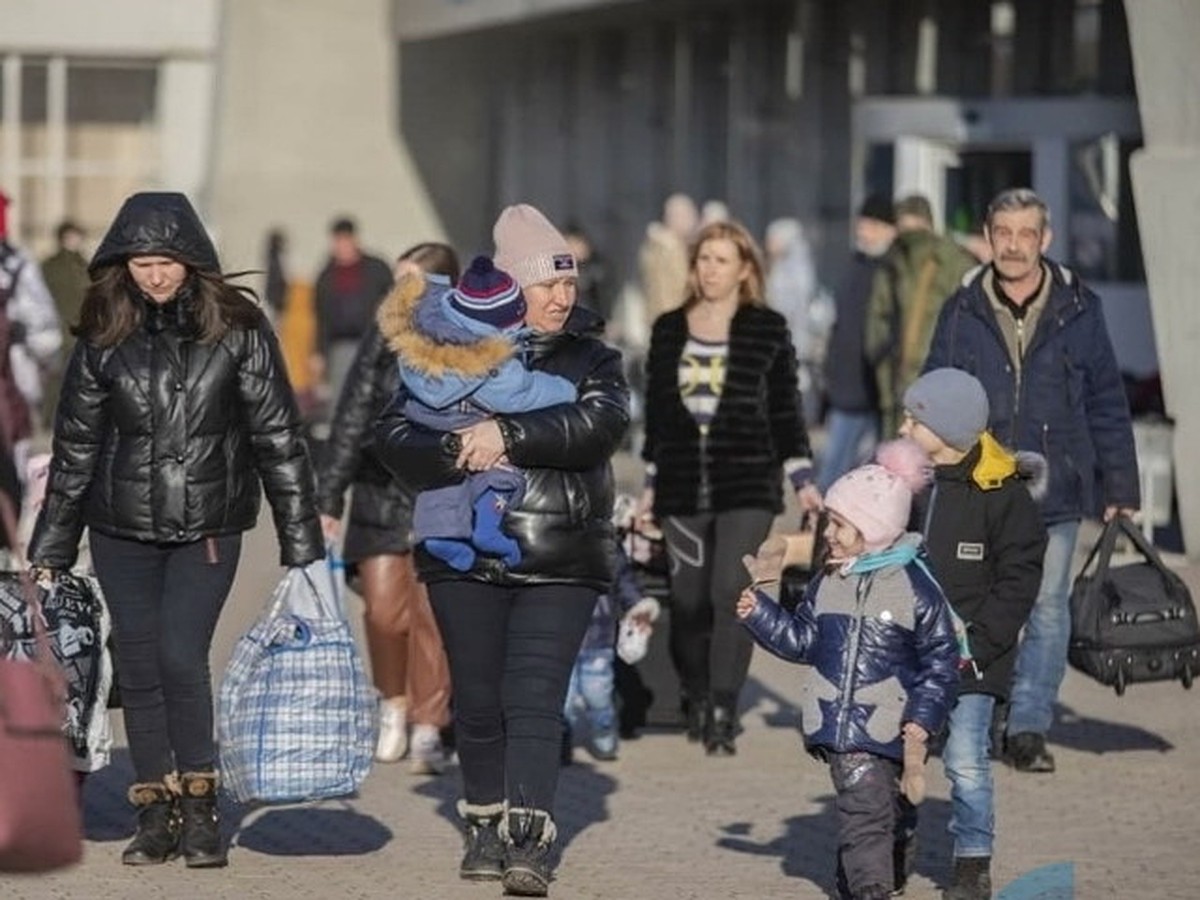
(531, 249)
(951, 403)
(486, 294)
(877, 498)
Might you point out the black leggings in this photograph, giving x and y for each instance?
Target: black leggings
(710, 648)
(511, 651)
(165, 600)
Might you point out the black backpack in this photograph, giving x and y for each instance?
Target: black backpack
(1135, 622)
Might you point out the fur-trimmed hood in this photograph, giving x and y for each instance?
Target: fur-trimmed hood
(419, 326)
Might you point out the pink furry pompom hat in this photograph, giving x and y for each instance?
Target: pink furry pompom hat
(877, 498)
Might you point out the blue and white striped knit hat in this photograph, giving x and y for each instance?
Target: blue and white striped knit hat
(486, 294)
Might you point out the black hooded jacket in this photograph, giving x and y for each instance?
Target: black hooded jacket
(163, 437)
(562, 523)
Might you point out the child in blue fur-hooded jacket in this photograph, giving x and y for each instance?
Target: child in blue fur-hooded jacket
(458, 361)
(879, 639)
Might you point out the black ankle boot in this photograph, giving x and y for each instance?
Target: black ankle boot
(200, 841)
(530, 834)
(720, 728)
(972, 879)
(483, 848)
(157, 838)
(695, 714)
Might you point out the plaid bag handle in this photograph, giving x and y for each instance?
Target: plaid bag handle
(331, 563)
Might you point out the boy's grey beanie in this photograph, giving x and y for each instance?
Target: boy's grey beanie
(951, 403)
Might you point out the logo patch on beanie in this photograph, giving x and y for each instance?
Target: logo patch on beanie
(563, 262)
(969, 551)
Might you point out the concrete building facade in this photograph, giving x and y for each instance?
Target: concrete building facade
(423, 117)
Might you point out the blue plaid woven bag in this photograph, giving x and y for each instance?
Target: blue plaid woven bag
(298, 717)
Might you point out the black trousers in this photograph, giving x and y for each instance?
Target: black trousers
(511, 651)
(868, 812)
(165, 600)
(710, 648)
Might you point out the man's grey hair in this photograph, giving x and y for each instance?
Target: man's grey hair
(1016, 199)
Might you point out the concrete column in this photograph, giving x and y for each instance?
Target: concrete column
(187, 106)
(1050, 174)
(298, 142)
(1164, 35)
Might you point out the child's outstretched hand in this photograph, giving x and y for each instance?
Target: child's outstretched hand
(746, 603)
(766, 565)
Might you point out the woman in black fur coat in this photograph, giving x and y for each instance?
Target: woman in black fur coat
(723, 424)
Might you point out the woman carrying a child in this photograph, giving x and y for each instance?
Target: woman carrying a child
(878, 637)
(513, 613)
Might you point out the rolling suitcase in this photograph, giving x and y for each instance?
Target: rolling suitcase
(1132, 623)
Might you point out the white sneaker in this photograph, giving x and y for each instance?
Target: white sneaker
(426, 755)
(393, 733)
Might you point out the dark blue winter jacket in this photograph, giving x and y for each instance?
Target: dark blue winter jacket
(1065, 401)
(882, 649)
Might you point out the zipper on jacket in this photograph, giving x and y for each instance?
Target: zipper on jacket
(850, 659)
(933, 492)
(704, 488)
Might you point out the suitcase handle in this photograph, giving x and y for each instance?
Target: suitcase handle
(1103, 550)
(1142, 618)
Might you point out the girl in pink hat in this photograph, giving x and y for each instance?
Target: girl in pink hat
(878, 638)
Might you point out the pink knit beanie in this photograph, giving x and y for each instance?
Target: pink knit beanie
(877, 498)
(529, 248)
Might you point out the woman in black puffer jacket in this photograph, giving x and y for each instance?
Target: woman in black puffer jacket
(174, 407)
(408, 663)
(512, 630)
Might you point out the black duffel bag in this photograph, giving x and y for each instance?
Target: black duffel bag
(1135, 622)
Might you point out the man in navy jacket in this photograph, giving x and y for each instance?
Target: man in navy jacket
(1035, 337)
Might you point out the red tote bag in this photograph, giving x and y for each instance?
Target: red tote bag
(40, 823)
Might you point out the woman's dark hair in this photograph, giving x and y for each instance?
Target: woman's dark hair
(112, 309)
(434, 258)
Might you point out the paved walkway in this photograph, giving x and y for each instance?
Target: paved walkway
(664, 820)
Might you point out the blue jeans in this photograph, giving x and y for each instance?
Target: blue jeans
(590, 694)
(965, 756)
(846, 433)
(1042, 659)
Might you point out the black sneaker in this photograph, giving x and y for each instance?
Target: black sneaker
(1027, 752)
(528, 869)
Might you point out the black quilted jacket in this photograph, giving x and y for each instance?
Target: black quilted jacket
(164, 438)
(563, 520)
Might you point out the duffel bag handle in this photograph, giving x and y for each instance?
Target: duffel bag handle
(1106, 544)
(1102, 550)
